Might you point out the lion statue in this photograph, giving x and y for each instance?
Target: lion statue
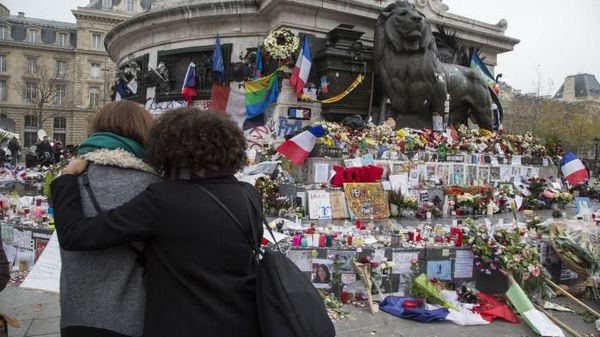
(416, 82)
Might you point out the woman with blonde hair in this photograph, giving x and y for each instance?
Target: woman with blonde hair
(102, 292)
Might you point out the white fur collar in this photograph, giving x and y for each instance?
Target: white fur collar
(117, 158)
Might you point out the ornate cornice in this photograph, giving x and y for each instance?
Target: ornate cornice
(181, 11)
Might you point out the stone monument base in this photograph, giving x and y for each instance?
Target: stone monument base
(277, 115)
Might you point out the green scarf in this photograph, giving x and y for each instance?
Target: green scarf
(111, 141)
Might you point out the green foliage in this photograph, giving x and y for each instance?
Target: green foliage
(47, 183)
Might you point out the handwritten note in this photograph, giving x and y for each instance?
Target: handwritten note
(463, 265)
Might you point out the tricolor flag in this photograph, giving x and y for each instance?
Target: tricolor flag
(573, 170)
(229, 100)
(301, 70)
(260, 93)
(478, 65)
(218, 67)
(258, 65)
(188, 89)
(120, 90)
(324, 84)
(298, 147)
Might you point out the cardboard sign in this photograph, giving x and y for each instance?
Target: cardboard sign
(367, 200)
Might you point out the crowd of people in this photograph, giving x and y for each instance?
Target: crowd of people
(44, 153)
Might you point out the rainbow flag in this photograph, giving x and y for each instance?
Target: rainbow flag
(260, 93)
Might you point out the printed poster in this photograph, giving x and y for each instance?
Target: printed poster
(483, 175)
(442, 173)
(471, 176)
(367, 200)
(319, 205)
(339, 207)
(458, 174)
(440, 270)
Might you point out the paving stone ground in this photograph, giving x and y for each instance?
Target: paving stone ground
(39, 315)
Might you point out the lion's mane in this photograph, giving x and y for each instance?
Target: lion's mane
(405, 68)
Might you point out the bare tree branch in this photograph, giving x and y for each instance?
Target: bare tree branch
(40, 89)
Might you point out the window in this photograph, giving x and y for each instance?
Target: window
(32, 67)
(31, 93)
(95, 70)
(4, 32)
(3, 63)
(61, 92)
(61, 68)
(96, 40)
(33, 36)
(60, 129)
(107, 4)
(94, 97)
(3, 91)
(63, 39)
(30, 130)
(130, 5)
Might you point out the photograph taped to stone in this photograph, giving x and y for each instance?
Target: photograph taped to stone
(321, 273)
(344, 258)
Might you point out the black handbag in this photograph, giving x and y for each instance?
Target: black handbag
(288, 305)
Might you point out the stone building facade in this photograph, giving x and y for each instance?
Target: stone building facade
(69, 59)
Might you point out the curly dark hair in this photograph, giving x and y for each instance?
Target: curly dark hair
(193, 139)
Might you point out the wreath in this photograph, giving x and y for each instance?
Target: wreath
(281, 43)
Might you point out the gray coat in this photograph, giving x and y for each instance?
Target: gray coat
(105, 288)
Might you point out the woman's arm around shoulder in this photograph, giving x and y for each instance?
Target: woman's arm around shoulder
(133, 221)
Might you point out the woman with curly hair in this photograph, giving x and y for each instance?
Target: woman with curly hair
(200, 272)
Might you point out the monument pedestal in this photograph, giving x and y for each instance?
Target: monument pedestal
(279, 120)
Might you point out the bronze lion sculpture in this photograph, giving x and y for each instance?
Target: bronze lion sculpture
(416, 82)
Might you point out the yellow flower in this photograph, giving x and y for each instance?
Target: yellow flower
(401, 133)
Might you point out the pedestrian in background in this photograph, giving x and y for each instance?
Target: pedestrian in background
(15, 150)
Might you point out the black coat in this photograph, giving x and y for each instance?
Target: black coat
(200, 275)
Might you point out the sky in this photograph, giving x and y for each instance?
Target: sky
(558, 38)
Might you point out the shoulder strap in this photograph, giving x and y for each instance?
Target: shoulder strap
(86, 183)
(252, 241)
(260, 213)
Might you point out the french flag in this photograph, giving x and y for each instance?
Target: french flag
(301, 70)
(298, 147)
(573, 170)
(188, 90)
(229, 99)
